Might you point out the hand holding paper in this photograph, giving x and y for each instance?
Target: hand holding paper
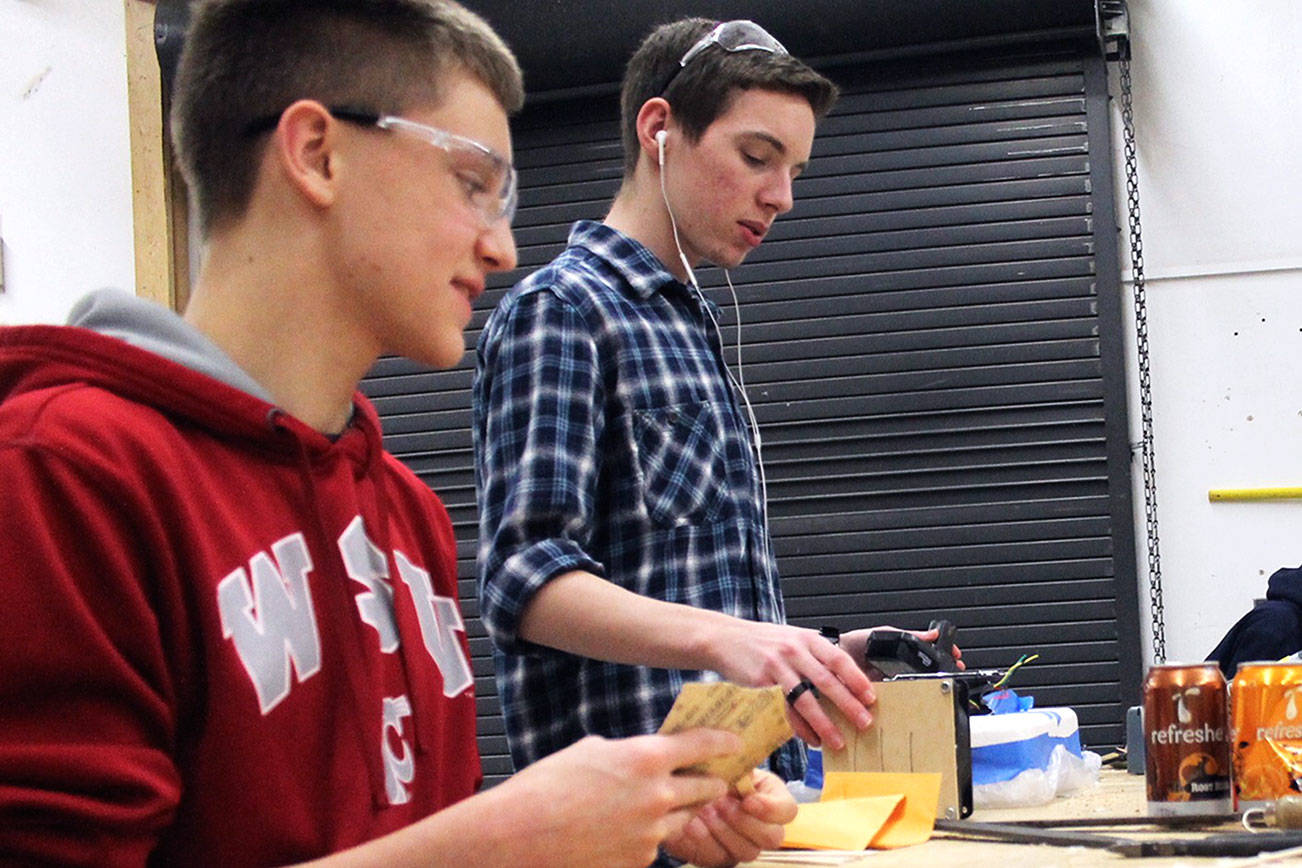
(757, 714)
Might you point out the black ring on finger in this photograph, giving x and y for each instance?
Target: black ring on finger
(794, 693)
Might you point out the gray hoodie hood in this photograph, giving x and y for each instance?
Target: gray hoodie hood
(154, 328)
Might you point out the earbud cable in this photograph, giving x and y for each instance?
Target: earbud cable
(739, 382)
(664, 194)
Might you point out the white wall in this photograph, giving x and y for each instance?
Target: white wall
(1218, 116)
(1218, 105)
(65, 170)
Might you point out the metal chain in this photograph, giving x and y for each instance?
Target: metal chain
(1145, 379)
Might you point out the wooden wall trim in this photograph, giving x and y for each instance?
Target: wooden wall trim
(157, 196)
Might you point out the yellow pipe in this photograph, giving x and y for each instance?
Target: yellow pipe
(1282, 492)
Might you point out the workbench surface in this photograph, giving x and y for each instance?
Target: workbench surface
(1117, 794)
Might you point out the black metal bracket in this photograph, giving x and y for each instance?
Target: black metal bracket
(171, 17)
(1113, 20)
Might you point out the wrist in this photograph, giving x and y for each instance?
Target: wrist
(708, 639)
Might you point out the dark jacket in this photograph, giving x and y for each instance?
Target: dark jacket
(1272, 630)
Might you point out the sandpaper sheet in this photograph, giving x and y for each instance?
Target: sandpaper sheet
(757, 714)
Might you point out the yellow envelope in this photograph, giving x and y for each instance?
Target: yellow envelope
(915, 817)
(844, 824)
(867, 809)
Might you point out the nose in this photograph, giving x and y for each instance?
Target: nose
(777, 194)
(496, 246)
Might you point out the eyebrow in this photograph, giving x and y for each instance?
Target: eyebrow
(773, 141)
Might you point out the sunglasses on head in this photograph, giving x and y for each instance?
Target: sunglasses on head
(738, 35)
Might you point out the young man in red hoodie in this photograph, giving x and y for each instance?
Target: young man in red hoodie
(229, 616)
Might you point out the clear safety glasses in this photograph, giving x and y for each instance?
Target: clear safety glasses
(488, 178)
(738, 35)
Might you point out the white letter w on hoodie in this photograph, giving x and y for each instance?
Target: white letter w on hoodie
(272, 623)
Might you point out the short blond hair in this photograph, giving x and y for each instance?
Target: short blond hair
(246, 61)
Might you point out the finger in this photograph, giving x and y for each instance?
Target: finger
(771, 801)
(693, 746)
(830, 669)
(847, 702)
(846, 686)
(731, 828)
(808, 708)
(753, 831)
(774, 812)
(809, 715)
(842, 667)
(696, 844)
(932, 635)
(693, 790)
(802, 729)
(683, 826)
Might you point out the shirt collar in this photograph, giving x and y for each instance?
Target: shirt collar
(645, 273)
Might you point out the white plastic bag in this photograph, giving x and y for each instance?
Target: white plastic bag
(1064, 774)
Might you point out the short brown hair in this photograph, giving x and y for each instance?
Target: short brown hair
(245, 61)
(704, 89)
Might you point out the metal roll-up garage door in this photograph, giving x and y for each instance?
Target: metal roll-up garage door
(933, 346)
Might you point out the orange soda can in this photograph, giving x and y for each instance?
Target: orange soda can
(1266, 720)
(1187, 740)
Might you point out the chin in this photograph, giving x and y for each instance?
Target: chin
(451, 359)
(732, 260)
(442, 355)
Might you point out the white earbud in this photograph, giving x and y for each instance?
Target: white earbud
(664, 193)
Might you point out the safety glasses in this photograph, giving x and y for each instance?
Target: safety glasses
(738, 35)
(486, 176)
(488, 179)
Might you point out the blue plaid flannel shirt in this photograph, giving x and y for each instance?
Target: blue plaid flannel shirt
(608, 439)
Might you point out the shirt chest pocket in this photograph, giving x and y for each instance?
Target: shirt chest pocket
(681, 460)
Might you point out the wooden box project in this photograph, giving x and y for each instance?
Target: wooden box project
(919, 725)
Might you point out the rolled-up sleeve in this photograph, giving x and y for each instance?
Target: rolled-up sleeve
(537, 428)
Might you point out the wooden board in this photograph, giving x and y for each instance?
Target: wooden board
(160, 212)
(913, 731)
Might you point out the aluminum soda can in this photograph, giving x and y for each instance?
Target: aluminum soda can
(1187, 740)
(1266, 722)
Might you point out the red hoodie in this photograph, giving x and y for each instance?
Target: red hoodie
(227, 639)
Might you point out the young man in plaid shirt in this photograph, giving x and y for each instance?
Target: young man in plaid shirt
(624, 547)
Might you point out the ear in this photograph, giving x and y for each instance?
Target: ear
(655, 116)
(304, 145)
